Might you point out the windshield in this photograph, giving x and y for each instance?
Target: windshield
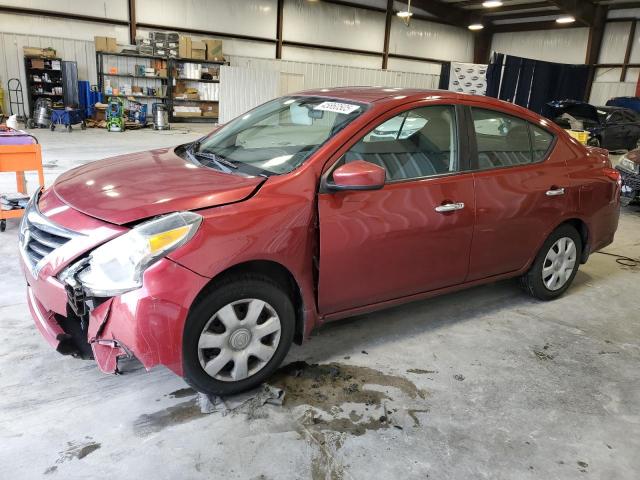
(278, 136)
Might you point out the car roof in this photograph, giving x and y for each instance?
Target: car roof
(375, 94)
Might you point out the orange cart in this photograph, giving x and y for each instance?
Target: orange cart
(19, 159)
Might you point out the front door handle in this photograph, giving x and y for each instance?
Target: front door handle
(449, 207)
(555, 192)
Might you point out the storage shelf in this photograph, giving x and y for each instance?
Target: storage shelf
(127, 75)
(192, 60)
(134, 55)
(201, 80)
(183, 100)
(194, 119)
(45, 69)
(135, 96)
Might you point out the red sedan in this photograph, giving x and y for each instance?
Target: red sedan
(212, 258)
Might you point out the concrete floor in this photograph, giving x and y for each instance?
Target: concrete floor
(485, 383)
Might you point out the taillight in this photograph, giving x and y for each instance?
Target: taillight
(613, 174)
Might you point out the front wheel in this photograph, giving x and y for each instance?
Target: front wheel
(555, 266)
(237, 336)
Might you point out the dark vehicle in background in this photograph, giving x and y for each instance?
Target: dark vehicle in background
(613, 128)
(632, 103)
(629, 168)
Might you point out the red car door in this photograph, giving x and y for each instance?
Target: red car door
(521, 189)
(414, 234)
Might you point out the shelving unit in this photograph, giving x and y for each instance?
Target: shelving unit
(178, 63)
(102, 58)
(174, 66)
(35, 85)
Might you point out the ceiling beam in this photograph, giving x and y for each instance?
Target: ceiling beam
(583, 10)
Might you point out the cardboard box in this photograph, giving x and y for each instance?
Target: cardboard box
(32, 51)
(198, 50)
(198, 54)
(187, 114)
(48, 52)
(214, 50)
(184, 47)
(105, 44)
(209, 110)
(161, 72)
(37, 63)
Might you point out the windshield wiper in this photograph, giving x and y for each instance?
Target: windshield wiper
(223, 164)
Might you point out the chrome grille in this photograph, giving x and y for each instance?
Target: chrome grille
(39, 236)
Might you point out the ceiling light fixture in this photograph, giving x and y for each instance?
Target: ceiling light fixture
(406, 15)
(492, 4)
(567, 19)
(476, 26)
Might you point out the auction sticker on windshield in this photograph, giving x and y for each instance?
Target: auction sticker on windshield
(337, 107)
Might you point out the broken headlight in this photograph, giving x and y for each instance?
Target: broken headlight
(117, 266)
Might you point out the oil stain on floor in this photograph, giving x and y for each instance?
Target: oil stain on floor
(339, 401)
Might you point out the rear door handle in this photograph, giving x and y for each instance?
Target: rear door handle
(554, 192)
(449, 207)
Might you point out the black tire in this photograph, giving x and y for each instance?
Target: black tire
(532, 281)
(231, 290)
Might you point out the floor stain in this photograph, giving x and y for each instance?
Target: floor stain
(412, 413)
(323, 386)
(182, 393)
(419, 371)
(324, 424)
(183, 412)
(542, 355)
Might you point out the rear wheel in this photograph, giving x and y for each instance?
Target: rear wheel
(555, 266)
(237, 336)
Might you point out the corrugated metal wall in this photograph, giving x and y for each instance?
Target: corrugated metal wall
(241, 89)
(251, 81)
(12, 59)
(562, 46)
(316, 75)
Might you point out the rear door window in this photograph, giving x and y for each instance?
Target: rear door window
(502, 140)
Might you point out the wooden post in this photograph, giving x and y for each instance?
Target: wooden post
(387, 34)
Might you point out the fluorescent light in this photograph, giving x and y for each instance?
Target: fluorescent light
(476, 26)
(567, 19)
(492, 4)
(404, 14)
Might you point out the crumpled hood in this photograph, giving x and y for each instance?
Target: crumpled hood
(131, 187)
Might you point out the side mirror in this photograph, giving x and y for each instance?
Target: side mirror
(358, 175)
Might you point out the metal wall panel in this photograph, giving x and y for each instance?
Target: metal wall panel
(321, 23)
(328, 57)
(241, 89)
(57, 27)
(256, 17)
(431, 40)
(323, 75)
(614, 42)
(561, 46)
(635, 49)
(607, 85)
(114, 9)
(12, 61)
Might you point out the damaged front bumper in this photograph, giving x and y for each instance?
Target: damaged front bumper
(146, 323)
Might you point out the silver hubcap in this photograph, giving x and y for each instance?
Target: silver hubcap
(559, 263)
(239, 340)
